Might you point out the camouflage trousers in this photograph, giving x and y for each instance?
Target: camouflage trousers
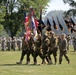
(54, 52)
(63, 53)
(36, 53)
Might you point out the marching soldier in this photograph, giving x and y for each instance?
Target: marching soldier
(19, 43)
(63, 49)
(30, 48)
(9, 43)
(45, 43)
(3, 43)
(52, 47)
(24, 50)
(37, 50)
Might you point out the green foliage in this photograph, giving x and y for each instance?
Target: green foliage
(36, 4)
(2, 13)
(13, 18)
(1, 28)
(71, 11)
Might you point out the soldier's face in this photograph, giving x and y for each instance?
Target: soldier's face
(50, 35)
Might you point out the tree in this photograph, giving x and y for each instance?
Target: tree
(72, 3)
(2, 15)
(15, 13)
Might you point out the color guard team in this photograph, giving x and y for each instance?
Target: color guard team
(43, 46)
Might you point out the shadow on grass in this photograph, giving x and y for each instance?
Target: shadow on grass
(19, 65)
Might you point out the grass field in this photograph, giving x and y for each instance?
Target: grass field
(8, 65)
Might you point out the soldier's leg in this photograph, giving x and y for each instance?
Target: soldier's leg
(55, 54)
(49, 57)
(28, 57)
(22, 56)
(66, 57)
(60, 57)
(45, 56)
(42, 56)
(74, 47)
(35, 54)
(55, 57)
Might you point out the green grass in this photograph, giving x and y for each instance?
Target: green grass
(8, 65)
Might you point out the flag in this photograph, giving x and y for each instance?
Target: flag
(24, 14)
(54, 24)
(48, 25)
(27, 27)
(41, 23)
(36, 22)
(60, 25)
(73, 30)
(67, 22)
(72, 21)
(70, 25)
(28, 33)
(34, 27)
(26, 21)
(31, 11)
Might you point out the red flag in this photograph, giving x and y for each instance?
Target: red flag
(28, 33)
(36, 22)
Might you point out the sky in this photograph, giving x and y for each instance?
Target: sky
(57, 5)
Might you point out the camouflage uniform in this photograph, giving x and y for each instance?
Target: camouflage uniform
(9, 43)
(45, 49)
(63, 49)
(19, 43)
(24, 50)
(68, 40)
(74, 43)
(30, 49)
(14, 43)
(3, 44)
(37, 50)
(52, 48)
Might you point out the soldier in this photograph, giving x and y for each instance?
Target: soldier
(3, 43)
(45, 43)
(14, 43)
(68, 41)
(24, 50)
(74, 43)
(63, 49)
(19, 43)
(52, 47)
(30, 48)
(37, 50)
(0, 43)
(9, 43)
